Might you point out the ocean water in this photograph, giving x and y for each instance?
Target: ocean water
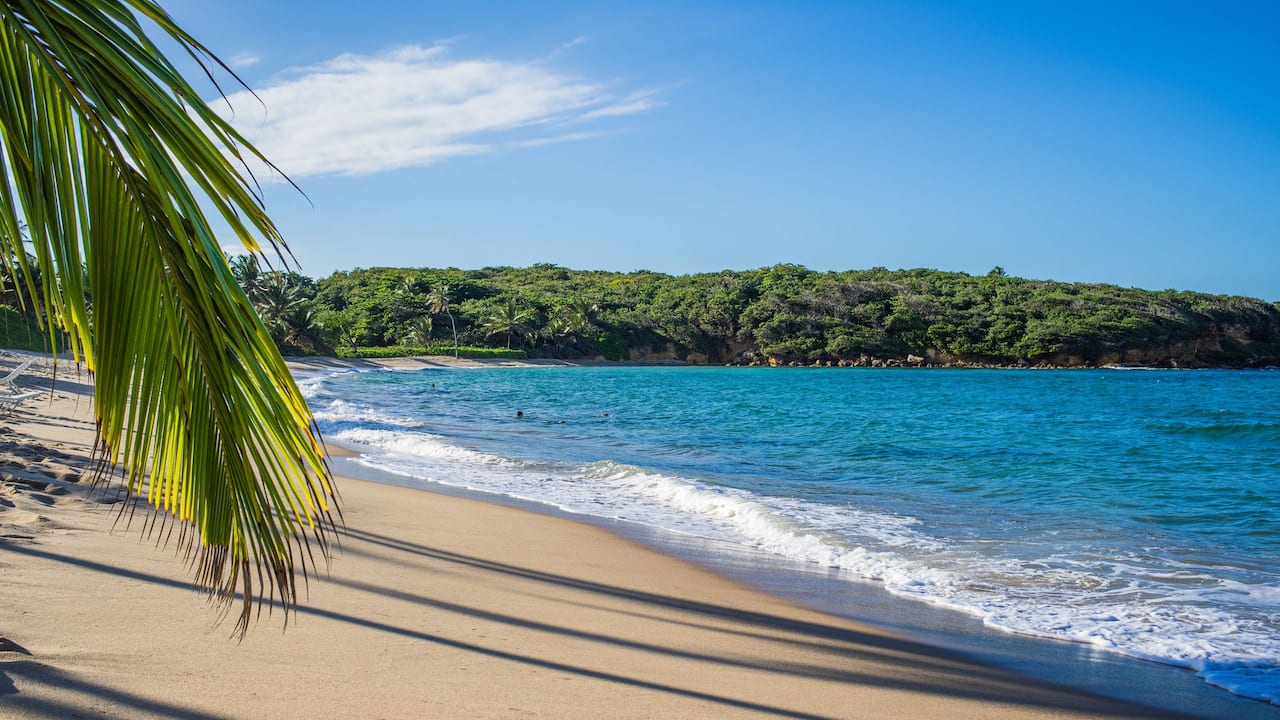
(1135, 511)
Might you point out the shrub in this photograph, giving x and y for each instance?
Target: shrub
(19, 331)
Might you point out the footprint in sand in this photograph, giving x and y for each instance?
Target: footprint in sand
(42, 498)
(25, 483)
(20, 518)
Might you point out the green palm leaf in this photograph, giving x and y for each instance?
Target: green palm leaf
(109, 156)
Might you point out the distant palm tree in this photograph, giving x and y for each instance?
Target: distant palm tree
(248, 274)
(438, 302)
(556, 330)
(582, 314)
(302, 329)
(408, 285)
(408, 295)
(420, 331)
(113, 161)
(276, 300)
(507, 320)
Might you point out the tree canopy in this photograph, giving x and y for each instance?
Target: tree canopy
(788, 314)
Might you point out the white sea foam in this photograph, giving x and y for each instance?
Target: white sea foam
(417, 445)
(315, 380)
(333, 411)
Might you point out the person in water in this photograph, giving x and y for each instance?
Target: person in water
(519, 413)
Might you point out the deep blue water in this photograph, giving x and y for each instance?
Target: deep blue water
(1132, 510)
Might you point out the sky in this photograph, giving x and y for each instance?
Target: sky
(1135, 143)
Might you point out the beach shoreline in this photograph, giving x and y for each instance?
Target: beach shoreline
(436, 606)
(316, 364)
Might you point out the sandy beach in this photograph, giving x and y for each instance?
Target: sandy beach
(434, 606)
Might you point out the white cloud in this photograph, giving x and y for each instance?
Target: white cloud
(573, 43)
(414, 106)
(554, 139)
(244, 59)
(633, 103)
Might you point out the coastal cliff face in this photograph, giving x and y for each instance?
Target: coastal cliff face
(647, 354)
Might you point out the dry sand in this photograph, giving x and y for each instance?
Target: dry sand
(435, 607)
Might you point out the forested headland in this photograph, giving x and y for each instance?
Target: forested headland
(781, 315)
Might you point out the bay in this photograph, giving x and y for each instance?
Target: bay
(1132, 511)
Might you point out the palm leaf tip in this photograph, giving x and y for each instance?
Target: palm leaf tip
(109, 164)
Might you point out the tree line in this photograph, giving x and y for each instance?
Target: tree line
(785, 314)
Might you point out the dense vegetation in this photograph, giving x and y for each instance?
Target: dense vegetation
(784, 314)
(19, 327)
(20, 331)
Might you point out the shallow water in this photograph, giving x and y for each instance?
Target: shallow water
(1131, 510)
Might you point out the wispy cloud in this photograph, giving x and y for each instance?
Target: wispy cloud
(555, 139)
(635, 102)
(414, 106)
(573, 43)
(244, 59)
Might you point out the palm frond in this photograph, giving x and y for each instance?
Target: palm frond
(108, 157)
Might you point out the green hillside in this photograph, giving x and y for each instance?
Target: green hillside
(785, 314)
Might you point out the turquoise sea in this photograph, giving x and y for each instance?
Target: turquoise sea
(1134, 511)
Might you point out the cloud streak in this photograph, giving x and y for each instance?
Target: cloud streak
(635, 102)
(415, 106)
(244, 59)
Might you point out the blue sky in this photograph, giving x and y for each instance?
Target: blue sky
(1125, 142)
